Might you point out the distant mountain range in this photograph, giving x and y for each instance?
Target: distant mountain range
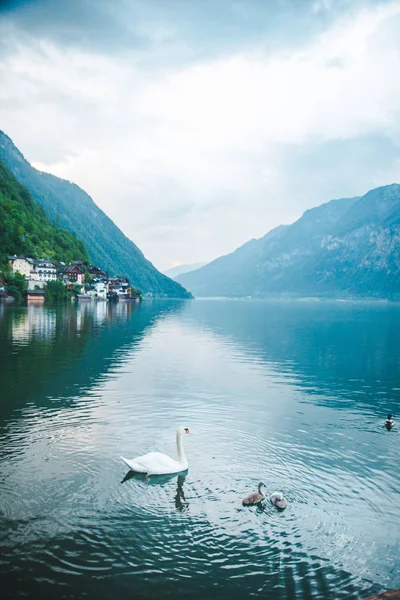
(73, 209)
(348, 248)
(180, 269)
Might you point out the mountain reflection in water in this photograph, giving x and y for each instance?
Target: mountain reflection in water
(291, 393)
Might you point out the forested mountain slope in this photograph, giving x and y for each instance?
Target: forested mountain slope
(71, 207)
(25, 229)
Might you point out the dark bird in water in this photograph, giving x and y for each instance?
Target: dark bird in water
(254, 497)
(389, 421)
(278, 500)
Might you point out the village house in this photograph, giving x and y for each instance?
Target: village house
(36, 296)
(45, 270)
(100, 282)
(21, 264)
(101, 289)
(36, 272)
(72, 275)
(119, 287)
(97, 273)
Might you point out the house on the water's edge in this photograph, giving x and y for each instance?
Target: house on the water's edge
(37, 273)
(36, 296)
(72, 275)
(87, 282)
(119, 287)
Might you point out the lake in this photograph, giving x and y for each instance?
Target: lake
(291, 393)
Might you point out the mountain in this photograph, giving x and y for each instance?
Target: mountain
(25, 228)
(344, 248)
(180, 269)
(72, 208)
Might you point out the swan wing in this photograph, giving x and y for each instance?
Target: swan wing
(134, 466)
(253, 498)
(154, 463)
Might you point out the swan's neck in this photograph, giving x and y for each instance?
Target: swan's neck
(181, 452)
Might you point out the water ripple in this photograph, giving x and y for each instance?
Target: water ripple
(73, 521)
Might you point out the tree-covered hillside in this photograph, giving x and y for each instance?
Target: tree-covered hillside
(75, 210)
(25, 229)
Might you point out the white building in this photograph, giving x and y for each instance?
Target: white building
(44, 270)
(100, 288)
(36, 272)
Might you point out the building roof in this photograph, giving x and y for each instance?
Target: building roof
(95, 269)
(71, 269)
(15, 257)
(43, 261)
(118, 279)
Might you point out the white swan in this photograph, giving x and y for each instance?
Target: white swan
(157, 463)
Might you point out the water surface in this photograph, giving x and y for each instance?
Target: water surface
(291, 393)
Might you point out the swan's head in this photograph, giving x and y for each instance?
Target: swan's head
(389, 417)
(260, 486)
(183, 430)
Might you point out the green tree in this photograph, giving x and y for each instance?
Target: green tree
(16, 285)
(56, 291)
(136, 293)
(25, 229)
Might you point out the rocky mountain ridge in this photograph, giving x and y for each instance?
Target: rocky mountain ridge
(347, 248)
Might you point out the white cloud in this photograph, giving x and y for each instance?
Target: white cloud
(190, 162)
(247, 101)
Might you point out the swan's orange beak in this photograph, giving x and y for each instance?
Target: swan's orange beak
(187, 430)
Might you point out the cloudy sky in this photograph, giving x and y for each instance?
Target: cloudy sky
(199, 124)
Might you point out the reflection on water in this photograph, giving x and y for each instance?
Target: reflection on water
(294, 394)
(343, 351)
(53, 354)
(180, 500)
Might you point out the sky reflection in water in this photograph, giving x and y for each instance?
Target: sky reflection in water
(294, 394)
